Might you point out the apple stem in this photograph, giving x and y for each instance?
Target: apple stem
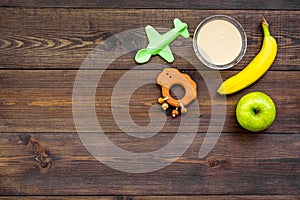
(256, 110)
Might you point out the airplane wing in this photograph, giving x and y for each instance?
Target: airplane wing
(152, 34)
(167, 54)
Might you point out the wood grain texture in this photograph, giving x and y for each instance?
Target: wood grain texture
(54, 38)
(216, 197)
(41, 101)
(187, 4)
(43, 44)
(190, 197)
(242, 164)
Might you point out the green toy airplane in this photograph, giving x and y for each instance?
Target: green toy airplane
(159, 44)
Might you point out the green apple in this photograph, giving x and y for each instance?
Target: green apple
(255, 111)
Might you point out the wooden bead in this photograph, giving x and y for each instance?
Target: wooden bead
(165, 106)
(175, 113)
(160, 100)
(183, 110)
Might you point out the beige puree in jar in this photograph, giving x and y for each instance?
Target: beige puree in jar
(219, 42)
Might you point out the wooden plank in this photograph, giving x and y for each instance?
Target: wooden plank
(64, 197)
(54, 38)
(216, 197)
(206, 4)
(239, 164)
(190, 197)
(41, 101)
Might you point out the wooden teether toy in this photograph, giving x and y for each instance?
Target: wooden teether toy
(170, 77)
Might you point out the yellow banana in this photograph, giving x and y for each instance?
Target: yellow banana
(256, 68)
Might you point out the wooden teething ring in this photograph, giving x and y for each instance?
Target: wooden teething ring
(170, 77)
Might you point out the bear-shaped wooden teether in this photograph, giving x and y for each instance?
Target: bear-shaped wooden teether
(170, 77)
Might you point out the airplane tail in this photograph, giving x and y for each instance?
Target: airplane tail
(184, 32)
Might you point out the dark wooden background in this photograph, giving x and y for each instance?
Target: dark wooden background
(42, 45)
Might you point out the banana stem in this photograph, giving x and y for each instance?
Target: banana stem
(265, 27)
(265, 21)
